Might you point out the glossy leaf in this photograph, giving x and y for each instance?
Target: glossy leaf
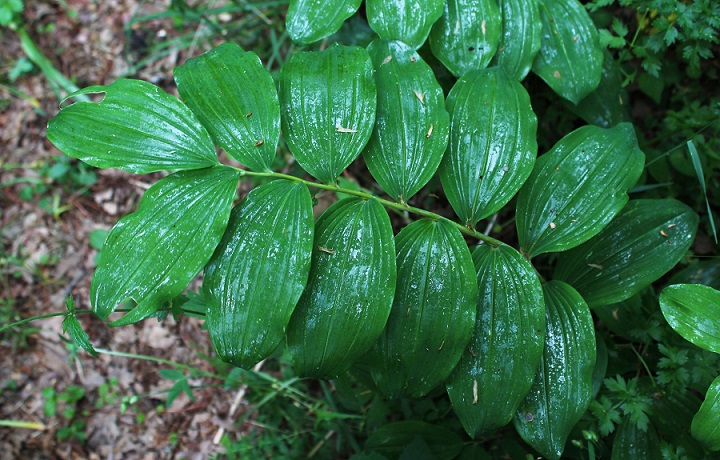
(151, 255)
(520, 39)
(608, 104)
(672, 413)
(349, 293)
(492, 146)
(639, 246)
(328, 101)
(498, 366)
(632, 443)
(258, 271)
(411, 127)
(433, 312)
(705, 272)
(392, 439)
(467, 34)
(626, 319)
(137, 127)
(308, 21)
(577, 188)
(235, 99)
(408, 21)
(71, 326)
(706, 423)
(570, 58)
(563, 384)
(601, 365)
(693, 310)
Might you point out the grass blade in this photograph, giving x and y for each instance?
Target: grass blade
(701, 178)
(57, 80)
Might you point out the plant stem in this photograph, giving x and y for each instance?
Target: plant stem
(281, 386)
(386, 203)
(33, 318)
(161, 361)
(647, 369)
(52, 315)
(20, 424)
(57, 80)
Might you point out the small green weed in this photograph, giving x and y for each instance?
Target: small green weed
(108, 393)
(200, 23)
(64, 404)
(52, 179)
(10, 12)
(18, 336)
(97, 241)
(660, 26)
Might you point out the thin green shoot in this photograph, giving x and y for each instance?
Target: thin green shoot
(21, 424)
(645, 188)
(57, 80)
(387, 203)
(35, 318)
(252, 20)
(26, 97)
(701, 179)
(644, 364)
(669, 134)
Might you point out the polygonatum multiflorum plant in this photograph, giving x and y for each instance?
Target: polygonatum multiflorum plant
(418, 309)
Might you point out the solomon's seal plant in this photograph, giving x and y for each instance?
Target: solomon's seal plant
(419, 309)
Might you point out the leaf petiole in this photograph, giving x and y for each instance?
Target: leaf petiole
(387, 203)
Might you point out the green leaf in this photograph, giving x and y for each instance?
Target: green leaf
(672, 414)
(706, 423)
(411, 123)
(70, 304)
(520, 39)
(652, 85)
(408, 21)
(137, 127)
(182, 386)
(601, 365)
(492, 146)
(619, 27)
(97, 238)
(577, 188)
(349, 294)
(697, 165)
(705, 272)
(467, 34)
(328, 101)
(693, 310)
(639, 246)
(171, 374)
(308, 21)
(72, 327)
(563, 384)
(258, 271)
(629, 318)
(392, 439)
(608, 104)
(151, 255)
(474, 452)
(632, 443)
(368, 456)
(417, 449)
(497, 369)
(570, 57)
(433, 312)
(235, 99)
(605, 412)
